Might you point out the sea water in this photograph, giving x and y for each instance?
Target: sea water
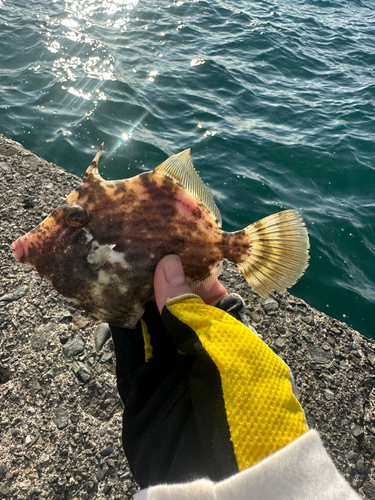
(274, 98)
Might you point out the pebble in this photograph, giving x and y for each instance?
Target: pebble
(358, 433)
(79, 320)
(74, 347)
(15, 295)
(4, 490)
(329, 395)
(30, 441)
(3, 471)
(81, 371)
(308, 338)
(369, 491)
(61, 418)
(101, 472)
(319, 356)
(44, 459)
(270, 305)
(353, 456)
(107, 451)
(255, 316)
(280, 342)
(107, 489)
(101, 335)
(335, 331)
(360, 466)
(106, 357)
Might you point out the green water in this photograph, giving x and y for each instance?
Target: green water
(275, 99)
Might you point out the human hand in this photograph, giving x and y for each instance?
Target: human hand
(170, 282)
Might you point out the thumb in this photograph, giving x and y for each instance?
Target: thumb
(169, 280)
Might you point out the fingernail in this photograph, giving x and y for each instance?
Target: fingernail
(173, 271)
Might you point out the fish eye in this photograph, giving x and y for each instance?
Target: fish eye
(75, 215)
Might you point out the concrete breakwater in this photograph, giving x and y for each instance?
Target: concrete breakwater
(60, 417)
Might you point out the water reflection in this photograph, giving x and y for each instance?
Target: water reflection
(87, 8)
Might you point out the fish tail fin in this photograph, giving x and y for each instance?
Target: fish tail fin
(278, 252)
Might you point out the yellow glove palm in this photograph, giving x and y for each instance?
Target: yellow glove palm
(262, 412)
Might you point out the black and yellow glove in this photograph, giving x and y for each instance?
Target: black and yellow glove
(204, 396)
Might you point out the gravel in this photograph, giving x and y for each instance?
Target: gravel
(60, 414)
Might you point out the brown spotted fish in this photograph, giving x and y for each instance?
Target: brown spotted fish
(100, 248)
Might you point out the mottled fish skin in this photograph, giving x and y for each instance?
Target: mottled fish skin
(145, 217)
(101, 247)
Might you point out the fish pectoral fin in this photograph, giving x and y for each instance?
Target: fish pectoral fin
(278, 253)
(181, 169)
(98, 255)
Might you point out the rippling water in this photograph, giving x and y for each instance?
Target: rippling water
(276, 100)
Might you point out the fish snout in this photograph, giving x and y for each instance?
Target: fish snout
(20, 249)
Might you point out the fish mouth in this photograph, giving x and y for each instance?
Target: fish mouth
(19, 250)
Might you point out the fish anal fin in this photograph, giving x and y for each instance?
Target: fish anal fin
(180, 168)
(278, 253)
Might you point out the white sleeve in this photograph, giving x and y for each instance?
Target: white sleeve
(300, 471)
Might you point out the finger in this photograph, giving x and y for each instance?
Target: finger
(214, 294)
(169, 280)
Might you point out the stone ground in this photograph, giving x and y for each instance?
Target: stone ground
(60, 415)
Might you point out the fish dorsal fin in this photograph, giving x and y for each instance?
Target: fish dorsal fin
(181, 169)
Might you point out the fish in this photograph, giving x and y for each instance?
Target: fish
(100, 248)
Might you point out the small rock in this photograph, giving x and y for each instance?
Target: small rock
(81, 371)
(64, 337)
(65, 315)
(128, 484)
(369, 491)
(319, 356)
(254, 315)
(270, 305)
(371, 430)
(106, 357)
(39, 340)
(107, 451)
(358, 433)
(280, 342)
(367, 449)
(335, 331)
(4, 374)
(15, 295)
(329, 395)
(352, 456)
(4, 490)
(101, 335)
(61, 418)
(344, 365)
(74, 347)
(30, 441)
(360, 466)
(90, 485)
(74, 418)
(124, 475)
(107, 489)
(101, 472)
(371, 358)
(44, 459)
(281, 329)
(308, 338)
(3, 471)
(80, 320)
